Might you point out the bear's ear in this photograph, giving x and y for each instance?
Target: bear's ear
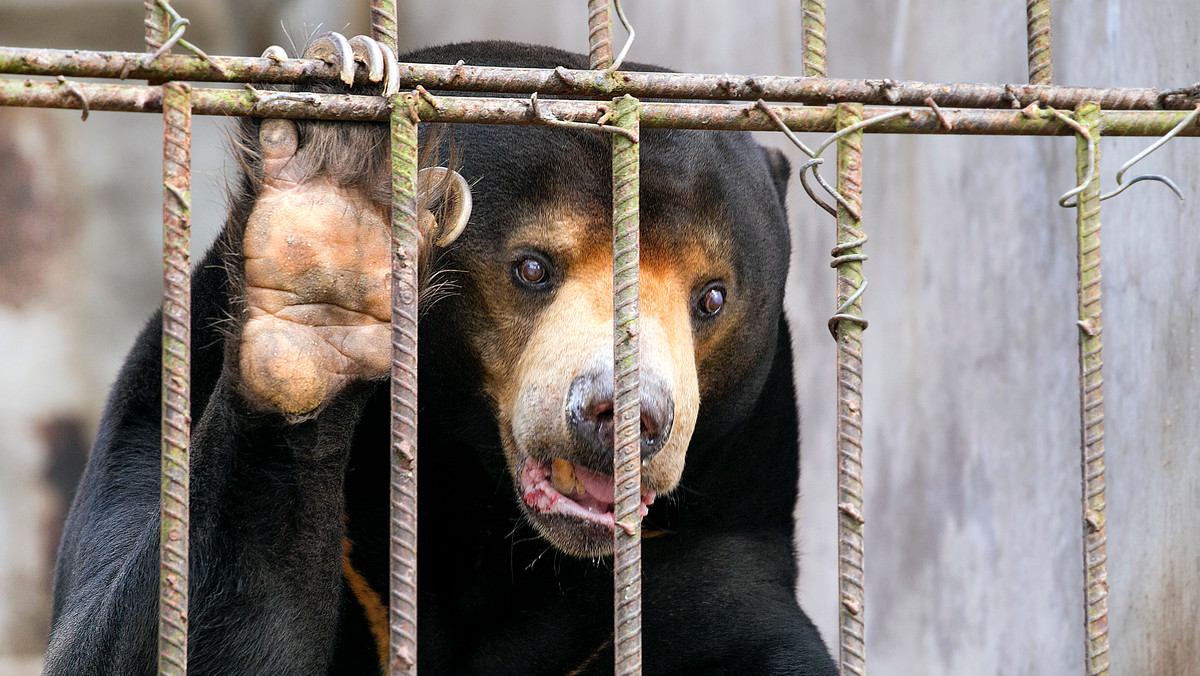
(781, 170)
(445, 200)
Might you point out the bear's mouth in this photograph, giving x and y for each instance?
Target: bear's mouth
(559, 487)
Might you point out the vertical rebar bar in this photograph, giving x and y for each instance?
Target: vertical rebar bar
(157, 24)
(403, 576)
(1091, 398)
(1041, 67)
(176, 380)
(383, 22)
(627, 409)
(600, 33)
(813, 40)
(848, 260)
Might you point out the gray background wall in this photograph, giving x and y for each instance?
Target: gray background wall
(973, 527)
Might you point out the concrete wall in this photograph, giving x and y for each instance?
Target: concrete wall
(973, 527)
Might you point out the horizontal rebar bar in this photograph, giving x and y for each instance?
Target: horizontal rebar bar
(719, 116)
(598, 84)
(654, 115)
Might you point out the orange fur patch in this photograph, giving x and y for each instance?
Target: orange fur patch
(372, 604)
(591, 658)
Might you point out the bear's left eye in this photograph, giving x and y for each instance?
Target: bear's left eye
(711, 300)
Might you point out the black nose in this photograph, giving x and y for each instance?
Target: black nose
(590, 416)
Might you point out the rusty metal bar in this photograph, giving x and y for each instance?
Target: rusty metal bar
(156, 25)
(383, 22)
(402, 656)
(1041, 65)
(1091, 399)
(597, 84)
(813, 38)
(600, 47)
(657, 115)
(627, 409)
(176, 381)
(848, 326)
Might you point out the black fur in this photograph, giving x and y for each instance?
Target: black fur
(269, 496)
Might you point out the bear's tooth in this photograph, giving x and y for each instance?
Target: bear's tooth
(562, 476)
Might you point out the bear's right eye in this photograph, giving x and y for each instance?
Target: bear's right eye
(532, 271)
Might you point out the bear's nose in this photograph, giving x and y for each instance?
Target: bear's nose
(590, 416)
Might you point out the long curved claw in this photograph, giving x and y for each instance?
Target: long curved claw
(334, 49)
(457, 220)
(367, 52)
(275, 53)
(454, 187)
(391, 82)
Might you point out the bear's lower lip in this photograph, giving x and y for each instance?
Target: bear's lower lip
(590, 500)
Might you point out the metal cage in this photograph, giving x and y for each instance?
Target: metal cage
(845, 108)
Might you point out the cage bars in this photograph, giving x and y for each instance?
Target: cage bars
(812, 25)
(176, 382)
(653, 115)
(627, 413)
(600, 47)
(847, 325)
(597, 84)
(383, 22)
(1007, 109)
(402, 596)
(1037, 23)
(156, 24)
(1091, 393)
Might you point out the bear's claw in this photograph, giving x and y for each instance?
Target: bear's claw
(334, 49)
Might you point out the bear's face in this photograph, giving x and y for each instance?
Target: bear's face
(536, 308)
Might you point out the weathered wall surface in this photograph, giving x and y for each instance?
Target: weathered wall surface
(973, 526)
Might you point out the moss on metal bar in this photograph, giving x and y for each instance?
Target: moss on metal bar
(156, 24)
(383, 22)
(813, 38)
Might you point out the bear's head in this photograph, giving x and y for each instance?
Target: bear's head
(527, 329)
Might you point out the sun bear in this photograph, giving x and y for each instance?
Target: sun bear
(290, 467)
